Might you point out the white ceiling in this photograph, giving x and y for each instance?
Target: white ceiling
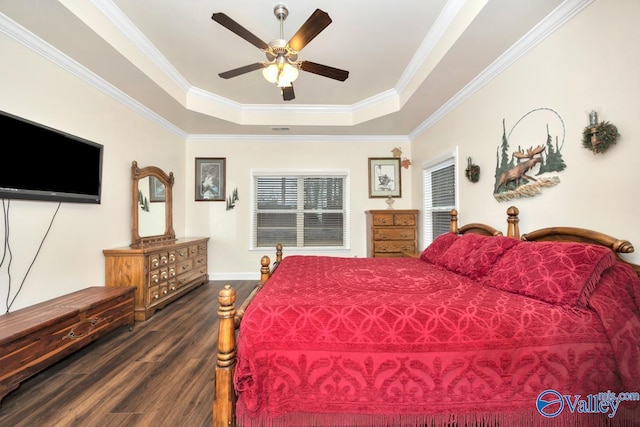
(409, 61)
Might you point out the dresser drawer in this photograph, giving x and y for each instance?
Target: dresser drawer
(382, 219)
(393, 246)
(199, 262)
(193, 250)
(184, 266)
(153, 293)
(182, 254)
(394, 234)
(404, 219)
(186, 278)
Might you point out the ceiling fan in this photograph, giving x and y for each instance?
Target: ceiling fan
(282, 63)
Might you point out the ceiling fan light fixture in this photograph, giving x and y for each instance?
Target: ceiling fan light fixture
(271, 72)
(287, 75)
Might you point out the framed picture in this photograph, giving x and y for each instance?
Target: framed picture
(210, 179)
(156, 190)
(384, 177)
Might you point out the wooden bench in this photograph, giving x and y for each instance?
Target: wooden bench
(35, 337)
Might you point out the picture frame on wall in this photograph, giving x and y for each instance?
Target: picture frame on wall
(385, 179)
(156, 190)
(210, 179)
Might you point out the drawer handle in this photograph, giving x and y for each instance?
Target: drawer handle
(164, 291)
(163, 260)
(172, 258)
(182, 253)
(185, 267)
(163, 275)
(156, 296)
(154, 262)
(200, 261)
(173, 288)
(181, 281)
(155, 278)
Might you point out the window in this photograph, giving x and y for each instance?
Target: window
(303, 210)
(439, 197)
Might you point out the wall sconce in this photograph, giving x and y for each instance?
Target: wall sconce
(472, 172)
(598, 137)
(232, 199)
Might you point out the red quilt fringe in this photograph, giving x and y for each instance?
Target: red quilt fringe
(624, 418)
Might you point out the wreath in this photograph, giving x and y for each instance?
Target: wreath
(600, 137)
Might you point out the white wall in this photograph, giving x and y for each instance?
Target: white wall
(592, 62)
(230, 257)
(71, 256)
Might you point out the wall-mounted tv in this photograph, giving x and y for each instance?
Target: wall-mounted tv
(41, 163)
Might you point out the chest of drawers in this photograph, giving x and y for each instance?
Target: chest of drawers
(161, 273)
(392, 233)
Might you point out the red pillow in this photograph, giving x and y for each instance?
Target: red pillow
(434, 252)
(563, 273)
(473, 255)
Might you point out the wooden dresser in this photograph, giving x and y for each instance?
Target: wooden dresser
(392, 233)
(161, 272)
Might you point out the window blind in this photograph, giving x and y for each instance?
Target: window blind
(439, 198)
(300, 211)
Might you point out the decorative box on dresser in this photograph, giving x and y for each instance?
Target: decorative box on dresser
(161, 272)
(392, 233)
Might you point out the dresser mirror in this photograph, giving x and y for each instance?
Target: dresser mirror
(151, 206)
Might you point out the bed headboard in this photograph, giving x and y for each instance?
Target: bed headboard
(477, 228)
(583, 235)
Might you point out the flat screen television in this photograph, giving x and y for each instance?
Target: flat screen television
(41, 163)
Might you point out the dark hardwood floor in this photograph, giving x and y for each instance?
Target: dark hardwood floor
(159, 374)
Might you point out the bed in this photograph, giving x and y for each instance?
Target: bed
(479, 329)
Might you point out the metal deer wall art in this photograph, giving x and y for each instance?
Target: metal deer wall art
(525, 172)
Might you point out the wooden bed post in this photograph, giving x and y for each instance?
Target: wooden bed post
(264, 269)
(225, 398)
(513, 230)
(278, 253)
(453, 226)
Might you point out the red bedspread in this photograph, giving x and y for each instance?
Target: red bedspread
(329, 342)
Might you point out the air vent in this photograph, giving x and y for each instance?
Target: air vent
(282, 129)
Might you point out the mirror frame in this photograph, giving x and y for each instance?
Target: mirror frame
(167, 179)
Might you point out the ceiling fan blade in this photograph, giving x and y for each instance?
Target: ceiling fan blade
(324, 70)
(287, 93)
(233, 26)
(318, 21)
(242, 70)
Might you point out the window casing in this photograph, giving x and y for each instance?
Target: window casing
(300, 209)
(439, 197)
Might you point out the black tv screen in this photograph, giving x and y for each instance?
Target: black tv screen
(41, 163)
